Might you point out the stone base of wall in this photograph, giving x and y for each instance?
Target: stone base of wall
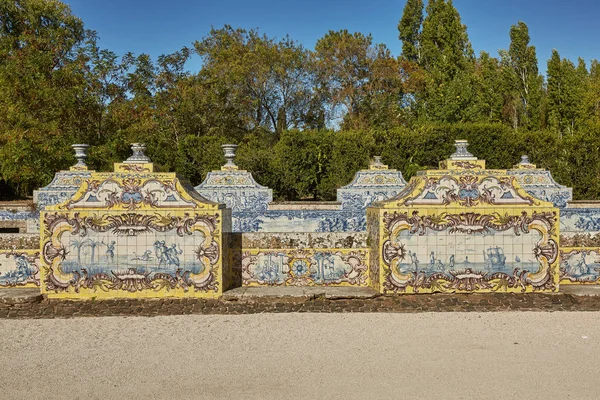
(389, 304)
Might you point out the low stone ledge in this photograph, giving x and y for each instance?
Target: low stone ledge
(53, 308)
(20, 296)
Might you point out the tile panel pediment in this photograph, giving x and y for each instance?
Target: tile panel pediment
(463, 190)
(133, 192)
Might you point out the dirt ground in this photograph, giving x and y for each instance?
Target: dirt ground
(508, 355)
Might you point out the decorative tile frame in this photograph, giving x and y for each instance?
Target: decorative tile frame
(160, 238)
(462, 211)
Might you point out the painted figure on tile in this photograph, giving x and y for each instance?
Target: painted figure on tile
(173, 254)
(17, 270)
(160, 250)
(451, 263)
(144, 257)
(329, 263)
(432, 261)
(270, 271)
(167, 256)
(414, 260)
(440, 265)
(110, 251)
(23, 268)
(577, 266)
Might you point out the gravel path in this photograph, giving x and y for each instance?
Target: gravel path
(304, 356)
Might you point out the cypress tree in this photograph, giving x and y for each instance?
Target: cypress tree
(409, 29)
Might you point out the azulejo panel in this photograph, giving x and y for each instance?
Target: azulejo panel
(128, 254)
(19, 268)
(304, 267)
(133, 233)
(469, 251)
(580, 265)
(464, 229)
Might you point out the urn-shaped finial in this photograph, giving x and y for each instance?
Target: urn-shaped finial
(80, 155)
(138, 156)
(525, 159)
(376, 163)
(229, 150)
(461, 152)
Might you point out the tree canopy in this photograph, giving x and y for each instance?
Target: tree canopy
(305, 118)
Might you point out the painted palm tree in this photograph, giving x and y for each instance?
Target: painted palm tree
(92, 244)
(77, 244)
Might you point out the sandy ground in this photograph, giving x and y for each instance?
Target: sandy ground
(304, 356)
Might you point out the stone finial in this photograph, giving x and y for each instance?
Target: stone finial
(229, 150)
(138, 156)
(525, 163)
(461, 152)
(377, 164)
(80, 155)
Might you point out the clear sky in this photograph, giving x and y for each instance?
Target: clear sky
(159, 27)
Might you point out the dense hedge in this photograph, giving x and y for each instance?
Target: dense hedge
(312, 164)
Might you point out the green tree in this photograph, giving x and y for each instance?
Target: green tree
(46, 101)
(523, 83)
(591, 101)
(359, 79)
(409, 30)
(490, 88)
(448, 61)
(274, 76)
(566, 88)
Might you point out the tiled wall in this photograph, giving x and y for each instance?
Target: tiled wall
(252, 209)
(580, 243)
(172, 234)
(133, 233)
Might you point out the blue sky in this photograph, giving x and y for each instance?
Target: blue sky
(159, 27)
